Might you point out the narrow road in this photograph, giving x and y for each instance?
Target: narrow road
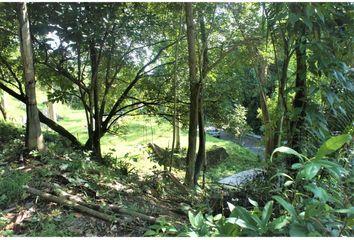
(250, 141)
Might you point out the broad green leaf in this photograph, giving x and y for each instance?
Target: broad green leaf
(254, 203)
(150, 233)
(280, 222)
(231, 206)
(332, 145)
(245, 215)
(267, 212)
(309, 171)
(217, 217)
(297, 230)
(287, 206)
(286, 150)
(318, 192)
(346, 210)
(244, 224)
(297, 166)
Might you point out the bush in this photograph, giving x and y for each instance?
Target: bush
(315, 201)
(11, 186)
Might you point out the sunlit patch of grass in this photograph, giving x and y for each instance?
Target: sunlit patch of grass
(136, 133)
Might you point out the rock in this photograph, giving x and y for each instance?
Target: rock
(216, 156)
(242, 178)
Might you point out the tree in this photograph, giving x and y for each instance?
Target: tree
(34, 136)
(3, 105)
(194, 96)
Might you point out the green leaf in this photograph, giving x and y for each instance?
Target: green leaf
(286, 150)
(297, 230)
(332, 145)
(245, 216)
(297, 166)
(318, 192)
(288, 183)
(282, 174)
(150, 233)
(231, 206)
(309, 171)
(287, 206)
(254, 203)
(267, 212)
(280, 222)
(217, 217)
(346, 210)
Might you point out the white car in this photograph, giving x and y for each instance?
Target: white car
(213, 132)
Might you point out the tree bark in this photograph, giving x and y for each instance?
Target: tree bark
(51, 124)
(34, 136)
(194, 96)
(268, 133)
(3, 106)
(175, 86)
(95, 89)
(300, 100)
(178, 135)
(201, 156)
(70, 203)
(52, 115)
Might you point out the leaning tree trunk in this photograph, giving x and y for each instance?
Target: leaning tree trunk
(194, 96)
(34, 136)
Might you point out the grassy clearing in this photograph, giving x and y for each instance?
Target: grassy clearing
(134, 134)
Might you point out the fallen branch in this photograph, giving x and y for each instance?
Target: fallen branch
(175, 181)
(70, 203)
(115, 208)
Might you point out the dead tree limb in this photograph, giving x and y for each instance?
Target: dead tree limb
(70, 203)
(115, 208)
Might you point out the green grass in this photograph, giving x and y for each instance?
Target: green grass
(136, 132)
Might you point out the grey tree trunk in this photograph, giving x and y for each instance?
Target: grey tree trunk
(297, 124)
(95, 88)
(52, 114)
(201, 156)
(175, 86)
(194, 96)
(178, 135)
(3, 106)
(34, 136)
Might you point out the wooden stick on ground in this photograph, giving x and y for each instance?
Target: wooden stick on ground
(113, 207)
(70, 203)
(176, 181)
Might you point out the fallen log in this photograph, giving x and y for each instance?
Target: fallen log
(70, 203)
(175, 181)
(115, 208)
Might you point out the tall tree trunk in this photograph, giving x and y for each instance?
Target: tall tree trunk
(175, 86)
(34, 136)
(178, 134)
(299, 103)
(3, 106)
(97, 118)
(201, 156)
(268, 133)
(194, 96)
(52, 114)
(52, 125)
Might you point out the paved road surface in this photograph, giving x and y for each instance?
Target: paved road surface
(251, 142)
